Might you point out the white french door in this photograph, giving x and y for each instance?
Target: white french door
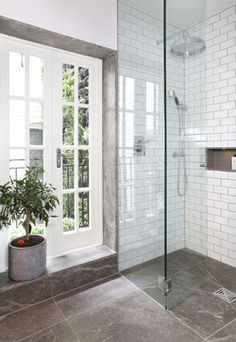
(77, 150)
(54, 120)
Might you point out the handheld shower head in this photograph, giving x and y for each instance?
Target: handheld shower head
(171, 93)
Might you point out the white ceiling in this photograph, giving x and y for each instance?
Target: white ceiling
(183, 13)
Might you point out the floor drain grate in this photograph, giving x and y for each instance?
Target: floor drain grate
(225, 295)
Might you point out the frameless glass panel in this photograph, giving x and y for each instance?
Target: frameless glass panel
(17, 163)
(68, 212)
(68, 84)
(36, 85)
(141, 142)
(83, 85)
(68, 169)
(83, 169)
(36, 158)
(36, 123)
(186, 119)
(17, 74)
(68, 125)
(17, 123)
(83, 129)
(83, 209)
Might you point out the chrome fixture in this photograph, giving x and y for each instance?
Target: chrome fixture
(181, 108)
(140, 146)
(188, 46)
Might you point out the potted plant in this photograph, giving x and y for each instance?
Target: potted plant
(26, 202)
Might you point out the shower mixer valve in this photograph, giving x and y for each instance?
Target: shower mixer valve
(140, 145)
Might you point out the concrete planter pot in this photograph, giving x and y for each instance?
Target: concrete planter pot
(27, 263)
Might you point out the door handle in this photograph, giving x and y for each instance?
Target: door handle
(59, 157)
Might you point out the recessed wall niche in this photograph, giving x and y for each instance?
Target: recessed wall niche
(221, 159)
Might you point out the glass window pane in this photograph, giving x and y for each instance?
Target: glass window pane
(36, 123)
(17, 74)
(36, 158)
(36, 77)
(83, 128)
(17, 163)
(83, 169)
(83, 85)
(68, 82)
(68, 169)
(68, 212)
(83, 209)
(68, 125)
(17, 123)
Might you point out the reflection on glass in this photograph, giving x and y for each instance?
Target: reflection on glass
(17, 123)
(36, 123)
(83, 209)
(151, 107)
(83, 85)
(150, 124)
(129, 202)
(68, 125)
(17, 74)
(36, 158)
(150, 95)
(129, 129)
(83, 169)
(129, 93)
(68, 212)
(83, 126)
(157, 98)
(17, 163)
(68, 87)
(121, 91)
(36, 77)
(68, 169)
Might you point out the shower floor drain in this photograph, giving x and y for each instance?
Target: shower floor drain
(225, 295)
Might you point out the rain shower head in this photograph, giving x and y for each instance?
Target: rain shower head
(188, 46)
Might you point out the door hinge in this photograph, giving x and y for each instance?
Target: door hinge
(165, 284)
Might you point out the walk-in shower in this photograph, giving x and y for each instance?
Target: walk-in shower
(176, 91)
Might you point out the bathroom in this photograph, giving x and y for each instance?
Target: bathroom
(154, 259)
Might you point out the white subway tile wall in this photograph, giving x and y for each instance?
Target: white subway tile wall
(205, 219)
(210, 93)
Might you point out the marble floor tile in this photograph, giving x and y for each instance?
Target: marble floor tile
(227, 334)
(29, 321)
(22, 296)
(79, 301)
(221, 273)
(204, 312)
(184, 281)
(134, 317)
(60, 332)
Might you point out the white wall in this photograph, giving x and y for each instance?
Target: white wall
(90, 20)
(210, 212)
